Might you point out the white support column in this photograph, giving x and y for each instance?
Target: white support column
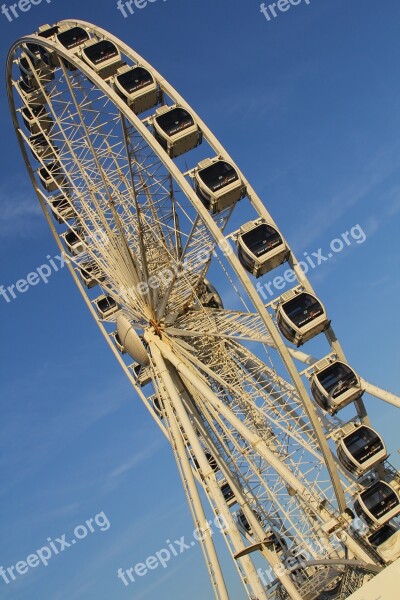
(208, 473)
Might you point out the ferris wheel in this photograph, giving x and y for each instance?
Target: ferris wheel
(146, 205)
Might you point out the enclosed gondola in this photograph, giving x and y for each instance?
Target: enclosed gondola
(261, 247)
(52, 177)
(118, 343)
(228, 494)
(73, 37)
(211, 461)
(62, 209)
(74, 241)
(158, 406)
(91, 274)
(31, 94)
(104, 57)
(300, 316)
(136, 85)
(47, 56)
(334, 385)
(44, 74)
(360, 448)
(41, 148)
(36, 119)
(218, 184)
(386, 541)
(242, 520)
(176, 130)
(106, 306)
(378, 504)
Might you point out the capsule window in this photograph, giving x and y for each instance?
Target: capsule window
(52, 176)
(135, 80)
(103, 56)
(218, 185)
(378, 504)
(36, 119)
(361, 449)
(301, 318)
(106, 306)
(176, 130)
(227, 492)
(261, 248)
(138, 88)
(382, 535)
(91, 275)
(72, 38)
(41, 149)
(175, 121)
(335, 386)
(74, 241)
(62, 209)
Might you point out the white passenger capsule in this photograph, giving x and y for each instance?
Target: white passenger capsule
(218, 184)
(300, 316)
(106, 306)
(261, 248)
(378, 503)
(104, 57)
(176, 130)
(334, 385)
(137, 87)
(360, 448)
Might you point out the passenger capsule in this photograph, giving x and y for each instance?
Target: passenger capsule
(41, 149)
(104, 57)
(242, 520)
(73, 38)
(91, 274)
(74, 241)
(335, 385)
(52, 177)
(228, 494)
(209, 297)
(33, 51)
(176, 130)
(361, 449)
(261, 248)
(378, 503)
(386, 541)
(118, 343)
(218, 184)
(137, 87)
(48, 56)
(31, 95)
(43, 73)
(158, 406)
(37, 119)
(300, 316)
(106, 306)
(62, 210)
(211, 461)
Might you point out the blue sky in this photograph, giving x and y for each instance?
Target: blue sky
(308, 105)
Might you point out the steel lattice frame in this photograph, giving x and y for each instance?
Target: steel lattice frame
(223, 381)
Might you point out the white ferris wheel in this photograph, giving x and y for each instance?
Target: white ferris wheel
(145, 203)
